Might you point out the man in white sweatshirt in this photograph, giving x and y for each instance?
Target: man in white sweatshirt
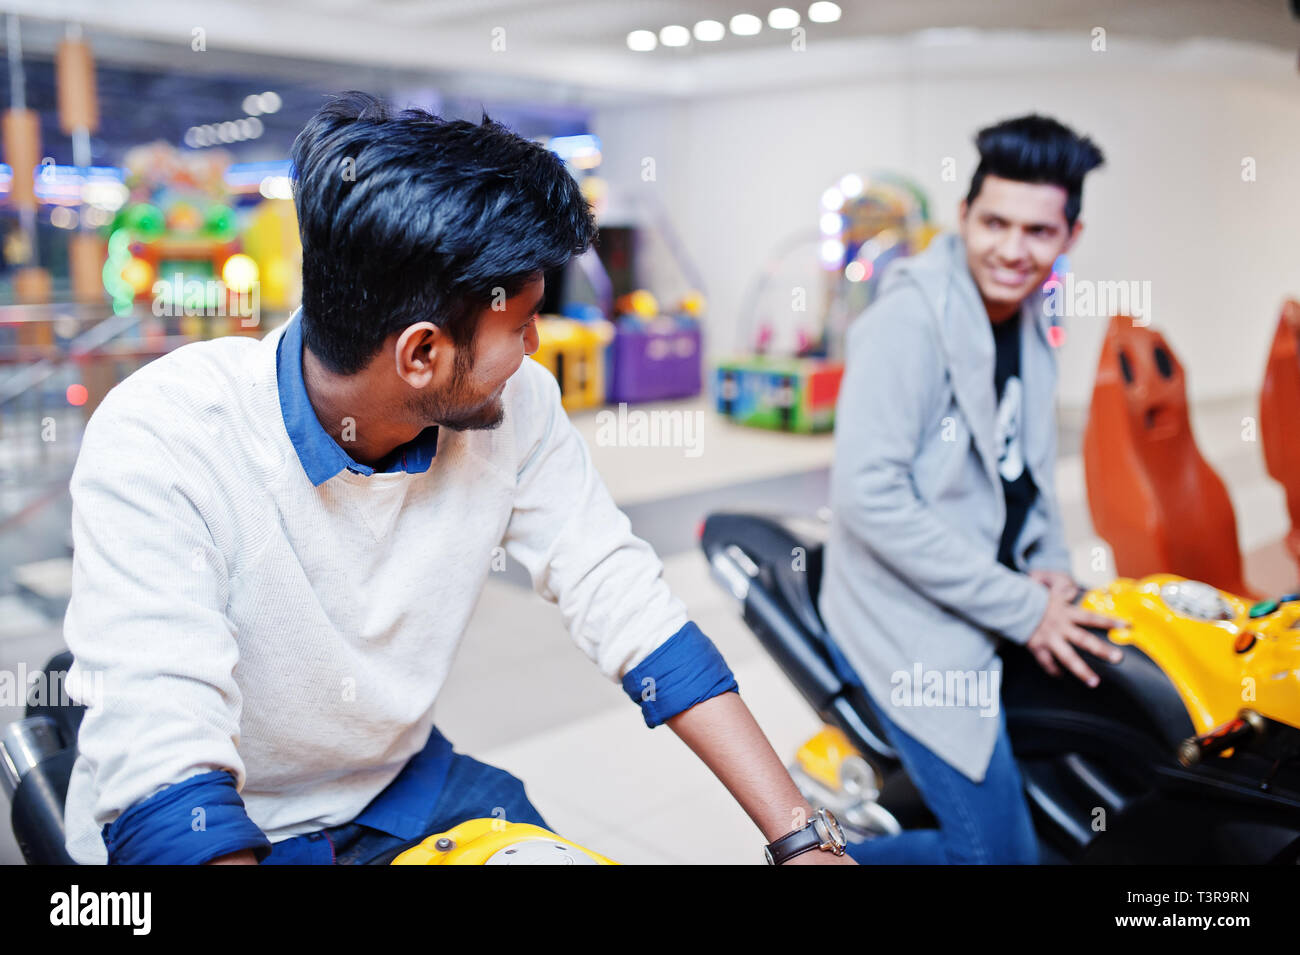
(278, 543)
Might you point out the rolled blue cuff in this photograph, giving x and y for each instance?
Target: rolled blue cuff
(189, 823)
(684, 670)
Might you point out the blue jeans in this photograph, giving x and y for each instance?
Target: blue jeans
(473, 790)
(985, 823)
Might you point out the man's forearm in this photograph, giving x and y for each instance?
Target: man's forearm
(724, 734)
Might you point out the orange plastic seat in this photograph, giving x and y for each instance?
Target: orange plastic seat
(1153, 498)
(1279, 416)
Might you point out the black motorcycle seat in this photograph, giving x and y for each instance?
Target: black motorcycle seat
(790, 559)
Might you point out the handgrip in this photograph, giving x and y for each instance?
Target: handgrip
(1197, 749)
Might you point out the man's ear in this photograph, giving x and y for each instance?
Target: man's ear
(962, 209)
(417, 352)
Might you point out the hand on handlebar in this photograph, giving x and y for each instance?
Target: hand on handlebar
(1061, 631)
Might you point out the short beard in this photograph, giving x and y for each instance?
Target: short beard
(457, 407)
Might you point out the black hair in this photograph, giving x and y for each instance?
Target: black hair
(1036, 149)
(409, 217)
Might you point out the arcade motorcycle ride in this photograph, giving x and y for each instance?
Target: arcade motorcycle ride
(1187, 752)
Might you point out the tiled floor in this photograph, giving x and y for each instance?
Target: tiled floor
(592, 768)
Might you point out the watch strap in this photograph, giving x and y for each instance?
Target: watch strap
(794, 843)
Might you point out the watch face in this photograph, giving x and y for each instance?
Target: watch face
(833, 828)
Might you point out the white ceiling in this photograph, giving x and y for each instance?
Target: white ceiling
(607, 22)
(579, 45)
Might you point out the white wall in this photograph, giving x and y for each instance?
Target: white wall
(741, 170)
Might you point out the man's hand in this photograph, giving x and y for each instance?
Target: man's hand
(820, 857)
(1061, 630)
(242, 857)
(1057, 581)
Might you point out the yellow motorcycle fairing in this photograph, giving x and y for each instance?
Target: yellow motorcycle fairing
(498, 842)
(1220, 665)
(1217, 666)
(820, 757)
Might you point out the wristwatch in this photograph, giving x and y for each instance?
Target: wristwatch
(822, 832)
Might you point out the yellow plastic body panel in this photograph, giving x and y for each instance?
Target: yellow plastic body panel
(1200, 657)
(475, 841)
(821, 756)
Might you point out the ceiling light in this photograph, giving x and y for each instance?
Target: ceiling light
(745, 24)
(709, 31)
(674, 35)
(832, 252)
(641, 41)
(823, 11)
(783, 18)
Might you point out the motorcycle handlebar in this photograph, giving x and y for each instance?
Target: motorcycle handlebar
(1235, 733)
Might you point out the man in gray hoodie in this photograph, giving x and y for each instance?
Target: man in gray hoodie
(947, 532)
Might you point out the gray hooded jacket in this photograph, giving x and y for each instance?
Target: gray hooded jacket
(912, 588)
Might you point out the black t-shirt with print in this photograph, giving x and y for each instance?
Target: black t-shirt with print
(1017, 485)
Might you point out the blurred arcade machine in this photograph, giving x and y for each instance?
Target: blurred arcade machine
(52, 364)
(205, 242)
(130, 231)
(798, 309)
(606, 336)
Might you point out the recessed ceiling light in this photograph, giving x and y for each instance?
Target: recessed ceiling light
(783, 18)
(823, 11)
(641, 41)
(745, 24)
(674, 35)
(709, 31)
(832, 252)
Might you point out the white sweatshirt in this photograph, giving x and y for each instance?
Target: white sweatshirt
(243, 618)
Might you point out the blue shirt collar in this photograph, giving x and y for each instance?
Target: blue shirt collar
(321, 455)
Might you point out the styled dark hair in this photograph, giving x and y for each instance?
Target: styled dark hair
(408, 217)
(1036, 149)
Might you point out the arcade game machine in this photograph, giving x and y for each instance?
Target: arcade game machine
(202, 256)
(262, 197)
(616, 340)
(573, 350)
(656, 352)
(655, 355)
(791, 378)
(572, 337)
